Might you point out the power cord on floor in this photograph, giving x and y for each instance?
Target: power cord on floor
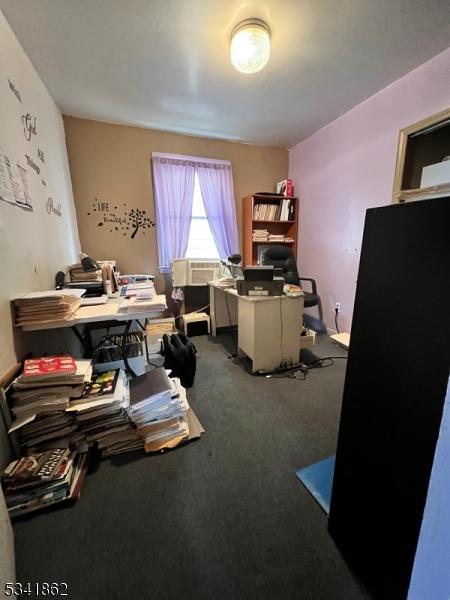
(336, 312)
(236, 351)
(194, 311)
(300, 370)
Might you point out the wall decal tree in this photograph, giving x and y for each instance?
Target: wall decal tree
(138, 219)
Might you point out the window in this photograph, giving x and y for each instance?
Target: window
(201, 243)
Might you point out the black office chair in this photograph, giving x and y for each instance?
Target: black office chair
(282, 257)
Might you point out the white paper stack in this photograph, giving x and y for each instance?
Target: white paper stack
(134, 304)
(158, 407)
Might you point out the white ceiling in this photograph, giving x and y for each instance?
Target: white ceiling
(165, 63)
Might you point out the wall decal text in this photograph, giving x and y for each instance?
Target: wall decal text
(52, 209)
(29, 126)
(14, 90)
(121, 219)
(32, 164)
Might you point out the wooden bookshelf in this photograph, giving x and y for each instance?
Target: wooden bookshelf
(288, 227)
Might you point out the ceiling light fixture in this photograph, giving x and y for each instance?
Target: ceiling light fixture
(250, 45)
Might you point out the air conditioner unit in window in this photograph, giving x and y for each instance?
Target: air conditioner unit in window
(194, 271)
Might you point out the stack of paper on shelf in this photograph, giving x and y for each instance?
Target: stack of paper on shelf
(156, 304)
(260, 235)
(273, 237)
(158, 408)
(40, 396)
(37, 308)
(79, 275)
(101, 414)
(42, 479)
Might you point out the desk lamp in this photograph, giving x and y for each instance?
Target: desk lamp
(88, 263)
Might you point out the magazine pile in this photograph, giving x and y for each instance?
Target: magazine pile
(42, 479)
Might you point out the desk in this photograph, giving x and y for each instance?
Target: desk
(108, 314)
(269, 327)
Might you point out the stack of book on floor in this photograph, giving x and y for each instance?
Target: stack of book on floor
(40, 397)
(78, 275)
(160, 411)
(42, 479)
(38, 308)
(260, 235)
(101, 414)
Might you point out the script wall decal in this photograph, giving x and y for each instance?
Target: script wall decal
(14, 90)
(53, 209)
(128, 221)
(29, 126)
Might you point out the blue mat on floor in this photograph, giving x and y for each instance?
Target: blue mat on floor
(318, 480)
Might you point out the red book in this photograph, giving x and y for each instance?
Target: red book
(35, 369)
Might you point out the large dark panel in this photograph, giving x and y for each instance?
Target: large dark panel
(394, 391)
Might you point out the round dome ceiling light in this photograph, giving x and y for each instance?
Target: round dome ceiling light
(250, 45)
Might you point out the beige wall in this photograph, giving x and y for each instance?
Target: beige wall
(34, 244)
(112, 163)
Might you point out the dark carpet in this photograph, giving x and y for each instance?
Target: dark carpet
(223, 517)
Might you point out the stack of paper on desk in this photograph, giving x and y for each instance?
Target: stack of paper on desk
(158, 408)
(37, 308)
(157, 304)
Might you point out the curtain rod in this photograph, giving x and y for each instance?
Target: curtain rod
(198, 159)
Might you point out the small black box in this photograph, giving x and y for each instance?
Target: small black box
(258, 273)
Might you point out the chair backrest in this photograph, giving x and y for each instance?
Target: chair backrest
(281, 257)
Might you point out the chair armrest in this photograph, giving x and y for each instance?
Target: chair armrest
(313, 283)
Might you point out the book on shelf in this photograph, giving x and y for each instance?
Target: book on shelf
(279, 210)
(285, 187)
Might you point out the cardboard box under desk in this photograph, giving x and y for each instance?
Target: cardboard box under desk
(156, 328)
(308, 340)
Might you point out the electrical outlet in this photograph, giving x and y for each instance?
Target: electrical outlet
(337, 307)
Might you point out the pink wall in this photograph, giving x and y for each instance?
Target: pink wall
(347, 167)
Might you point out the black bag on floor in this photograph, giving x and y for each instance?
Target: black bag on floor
(179, 356)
